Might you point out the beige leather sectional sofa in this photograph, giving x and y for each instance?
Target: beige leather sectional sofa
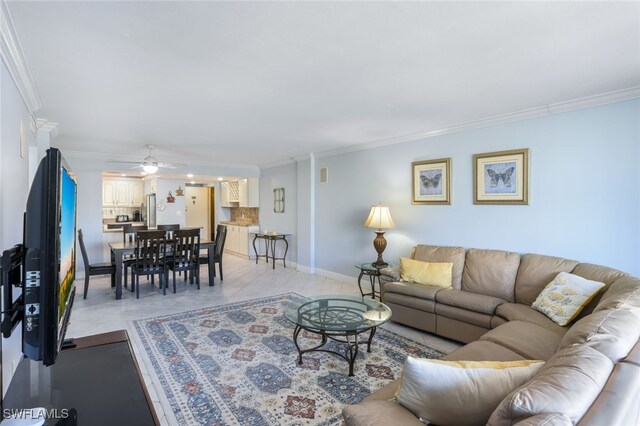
(592, 370)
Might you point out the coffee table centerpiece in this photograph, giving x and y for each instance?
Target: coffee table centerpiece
(340, 318)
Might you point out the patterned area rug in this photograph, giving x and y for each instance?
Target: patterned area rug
(236, 364)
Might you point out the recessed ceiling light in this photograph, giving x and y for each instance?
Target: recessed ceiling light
(190, 175)
(123, 175)
(192, 182)
(220, 178)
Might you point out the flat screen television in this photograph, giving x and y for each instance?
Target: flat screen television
(50, 258)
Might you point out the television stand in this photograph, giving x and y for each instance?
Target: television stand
(99, 378)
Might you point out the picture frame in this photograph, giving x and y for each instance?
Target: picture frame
(278, 200)
(501, 177)
(431, 181)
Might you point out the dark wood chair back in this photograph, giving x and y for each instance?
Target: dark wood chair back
(151, 248)
(186, 247)
(221, 236)
(83, 250)
(169, 229)
(129, 231)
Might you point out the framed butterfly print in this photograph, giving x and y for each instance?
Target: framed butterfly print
(431, 181)
(501, 177)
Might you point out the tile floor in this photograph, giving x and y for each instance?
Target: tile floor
(244, 280)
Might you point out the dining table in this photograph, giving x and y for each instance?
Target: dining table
(119, 249)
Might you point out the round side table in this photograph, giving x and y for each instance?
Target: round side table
(373, 272)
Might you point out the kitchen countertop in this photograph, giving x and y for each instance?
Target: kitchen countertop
(238, 223)
(105, 227)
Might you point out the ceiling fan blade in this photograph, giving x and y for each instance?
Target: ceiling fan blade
(122, 162)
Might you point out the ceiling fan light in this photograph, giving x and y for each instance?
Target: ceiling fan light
(150, 165)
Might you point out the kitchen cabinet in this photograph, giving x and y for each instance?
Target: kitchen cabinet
(224, 194)
(249, 192)
(237, 241)
(240, 193)
(122, 192)
(137, 194)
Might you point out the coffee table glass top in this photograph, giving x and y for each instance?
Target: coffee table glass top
(338, 313)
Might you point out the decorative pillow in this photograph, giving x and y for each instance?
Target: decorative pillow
(460, 392)
(564, 297)
(429, 273)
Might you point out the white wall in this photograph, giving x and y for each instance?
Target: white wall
(584, 193)
(286, 177)
(14, 189)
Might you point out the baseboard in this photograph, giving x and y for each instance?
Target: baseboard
(336, 276)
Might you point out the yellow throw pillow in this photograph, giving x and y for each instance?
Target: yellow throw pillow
(564, 297)
(429, 273)
(460, 392)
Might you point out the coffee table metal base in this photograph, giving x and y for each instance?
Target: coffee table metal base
(350, 339)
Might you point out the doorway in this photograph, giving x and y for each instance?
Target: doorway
(197, 208)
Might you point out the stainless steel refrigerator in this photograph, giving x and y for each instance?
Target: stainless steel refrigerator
(150, 211)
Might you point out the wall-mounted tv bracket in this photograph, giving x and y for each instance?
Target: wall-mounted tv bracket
(12, 264)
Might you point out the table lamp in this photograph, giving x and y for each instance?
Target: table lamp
(379, 217)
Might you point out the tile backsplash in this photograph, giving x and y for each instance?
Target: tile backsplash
(112, 212)
(245, 214)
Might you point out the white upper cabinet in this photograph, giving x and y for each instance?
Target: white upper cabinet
(224, 194)
(244, 192)
(122, 192)
(249, 192)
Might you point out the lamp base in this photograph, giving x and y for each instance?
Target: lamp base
(379, 265)
(380, 244)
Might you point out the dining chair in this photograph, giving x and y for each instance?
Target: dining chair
(104, 268)
(218, 250)
(150, 251)
(169, 229)
(129, 231)
(184, 257)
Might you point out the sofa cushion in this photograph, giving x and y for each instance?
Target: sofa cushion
(617, 403)
(437, 274)
(564, 297)
(491, 272)
(482, 351)
(611, 332)
(370, 413)
(419, 291)
(410, 301)
(526, 339)
(603, 274)
(546, 419)
(535, 272)
(446, 392)
(569, 383)
(454, 255)
(633, 356)
(625, 290)
(520, 312)
(471, 301)
(465, 315)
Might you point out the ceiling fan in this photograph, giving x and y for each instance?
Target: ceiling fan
(150, 163)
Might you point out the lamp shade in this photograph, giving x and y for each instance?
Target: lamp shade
(379, 217)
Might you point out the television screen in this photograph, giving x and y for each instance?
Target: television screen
(67, 272)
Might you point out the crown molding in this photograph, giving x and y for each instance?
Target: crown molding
(47, 126)
(13, 57)
(554, 108)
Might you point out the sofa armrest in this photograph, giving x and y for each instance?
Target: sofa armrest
(380, 413)
(389, 275)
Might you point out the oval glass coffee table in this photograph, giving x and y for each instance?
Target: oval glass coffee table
(340, 318)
